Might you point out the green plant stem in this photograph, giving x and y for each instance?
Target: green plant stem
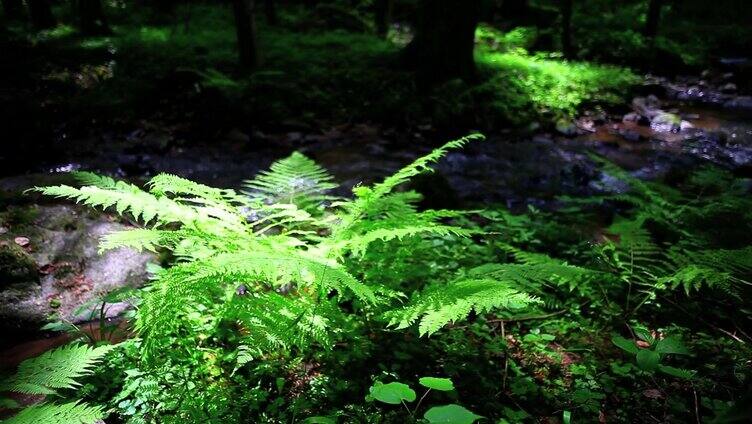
(421, 400)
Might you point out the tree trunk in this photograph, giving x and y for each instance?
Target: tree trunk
(245, 28)
(41, 15)
(653, 18)
(270, 10)
(383, 15)
(514, 8)
(91, 18)
(13, 9)
(566, 29)
(444, 40)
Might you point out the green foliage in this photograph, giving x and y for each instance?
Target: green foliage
(435, 383)
(55, 370)
(392, 393)
(450, 414)
(282, 303)
(530, 86)
(295, 180)
(49, 413)
(649, 358)
(288, 277)
(396, 393)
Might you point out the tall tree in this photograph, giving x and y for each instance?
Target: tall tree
(245, 29)
(41, 15)
(653, 18)
(13, 8)
(92, 18)
(383, 14)
(444, 40)
(270, 10)
(566, 28)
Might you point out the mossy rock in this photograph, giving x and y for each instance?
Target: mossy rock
(16, 266)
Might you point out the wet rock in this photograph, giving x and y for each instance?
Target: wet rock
(61, 269)
(648, 106)
(665, 122)
(729, 88)
(685, 126)
(566, 127)
(16, 266)
(739, 103)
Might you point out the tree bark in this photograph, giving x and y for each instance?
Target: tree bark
(270, 10)
(13, 9)
(245, 28)
(92, 20)
(514, 8)
(41, 15)
(383, 14)
(444, 41)
(566, 29)
(653, 18)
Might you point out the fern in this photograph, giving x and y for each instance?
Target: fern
(442, 304)
(295, 180)
(51, 371)
(51, 413)
(272, 245)
(55, 369)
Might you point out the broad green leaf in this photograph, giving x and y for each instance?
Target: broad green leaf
(392, 393)
(671, 345)
(435, 383)
(648, 360)
(625, 344)
(450, 414)
(644, 334)
(567, 417)
(318, 420)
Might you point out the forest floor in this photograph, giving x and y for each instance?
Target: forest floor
(74, 111)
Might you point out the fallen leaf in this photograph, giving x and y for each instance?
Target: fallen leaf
(653, 394)
(22, 241)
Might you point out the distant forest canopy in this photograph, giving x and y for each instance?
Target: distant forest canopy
(286, 65)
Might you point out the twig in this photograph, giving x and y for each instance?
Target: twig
(506, 358)
(421, 400)
(697, 408)
(529, 318)
(733, 336)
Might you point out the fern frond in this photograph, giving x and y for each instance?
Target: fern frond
(55, 369)
(137, 239)
(51, 413)
(358, 244)
(377, 200)
(420, 166)
(295, 180)
(273, 321)
(125, 198)
(86, 178)
(441, 304)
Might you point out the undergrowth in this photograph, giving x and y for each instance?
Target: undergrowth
(283, 303)
(311, 73)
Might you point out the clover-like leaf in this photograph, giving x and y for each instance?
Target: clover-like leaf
(392, 393)
(625, 344)
(450, 414)
(435, 383)
(648, 360)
